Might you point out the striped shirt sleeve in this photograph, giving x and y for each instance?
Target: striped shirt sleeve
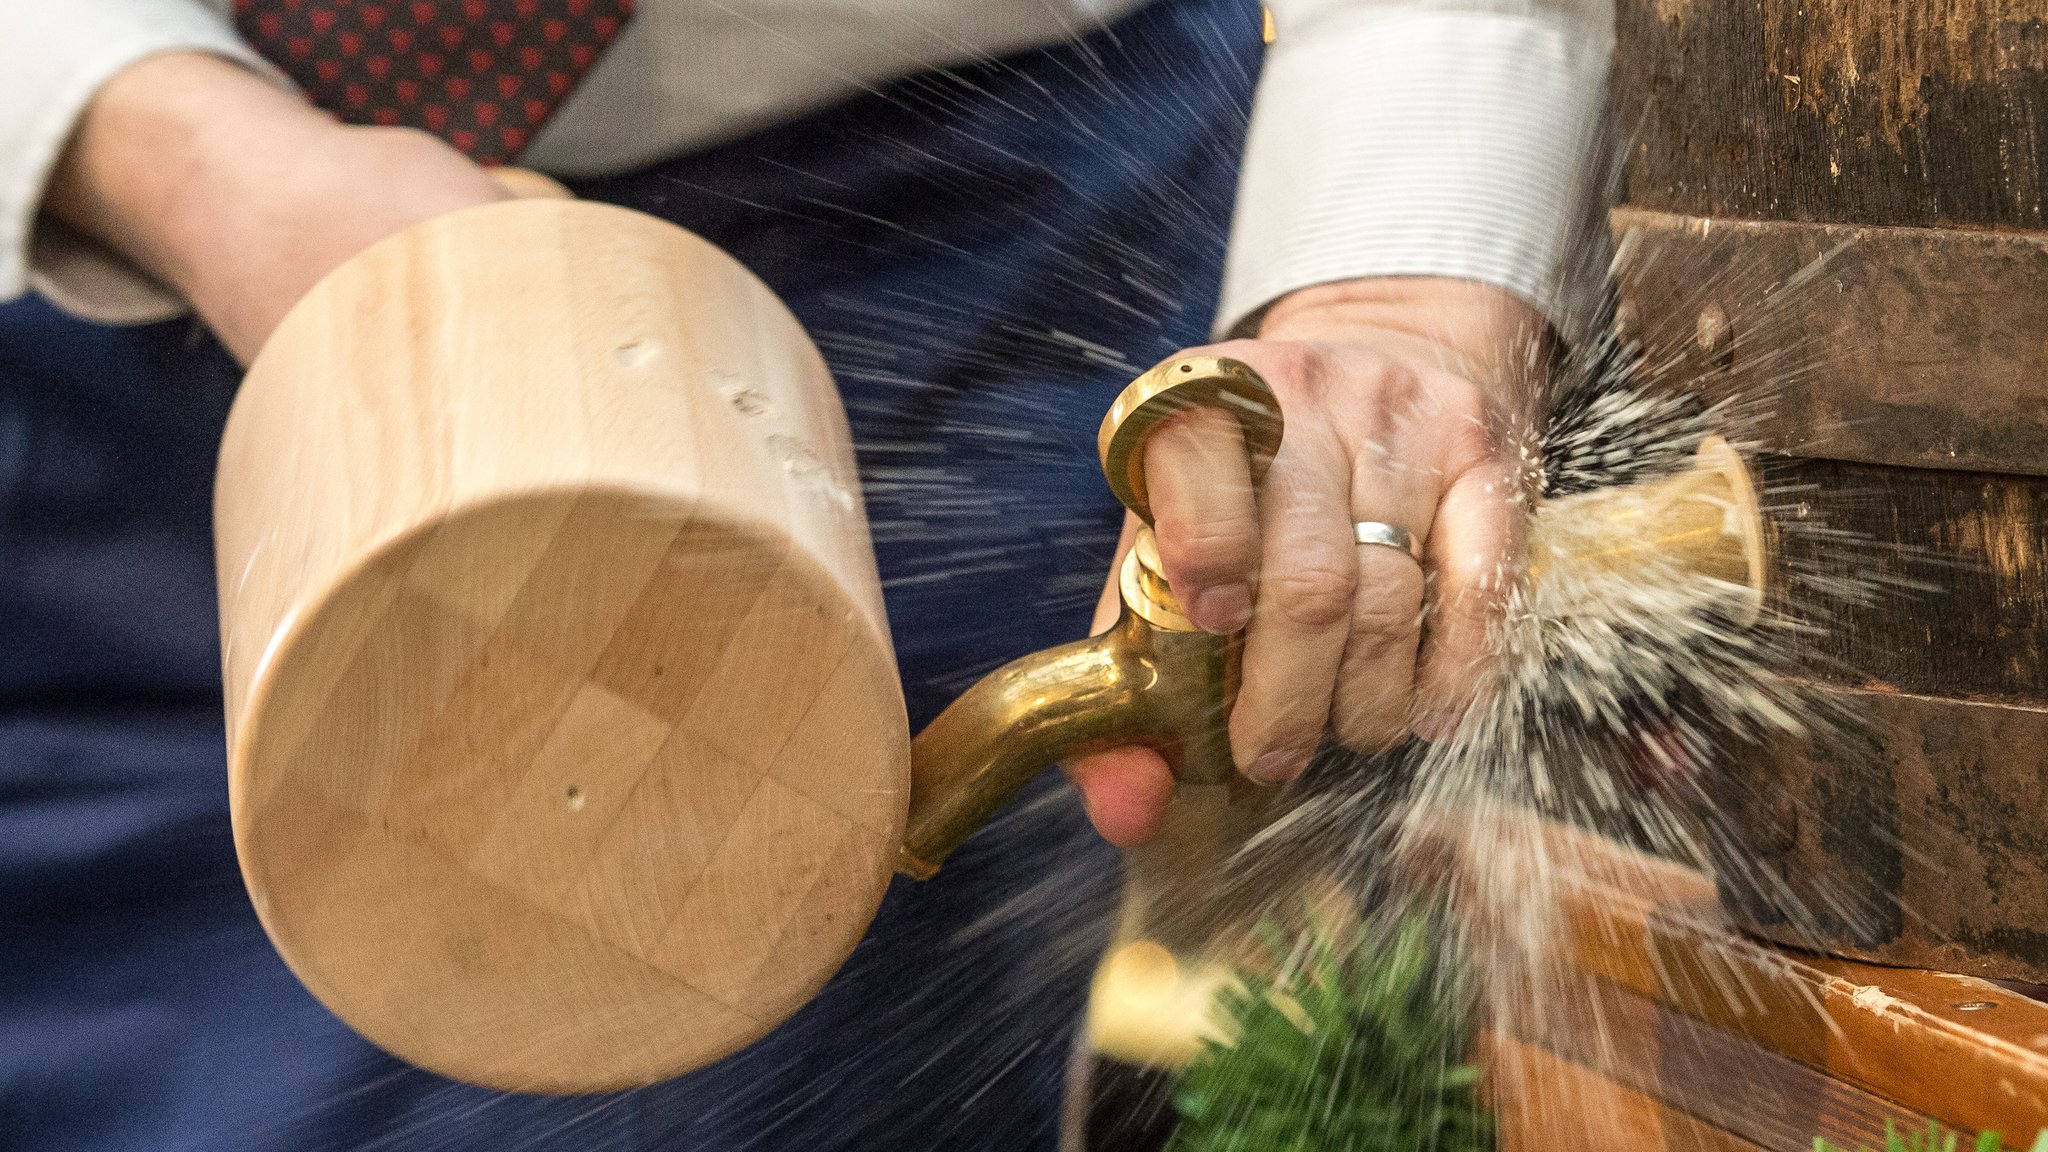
(1428, 139)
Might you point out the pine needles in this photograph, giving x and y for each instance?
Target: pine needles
(1934, 1139)
(1357, 1049)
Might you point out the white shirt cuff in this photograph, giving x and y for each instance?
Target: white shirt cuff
(54, 57)
(1399, 141)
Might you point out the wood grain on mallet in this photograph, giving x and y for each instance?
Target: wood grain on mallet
(567, 751)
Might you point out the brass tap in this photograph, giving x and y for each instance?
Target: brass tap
(1154, 680)
(1701, 529)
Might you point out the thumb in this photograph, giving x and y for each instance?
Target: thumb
(1124, 791)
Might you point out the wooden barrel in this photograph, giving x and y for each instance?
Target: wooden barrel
(1835, 206)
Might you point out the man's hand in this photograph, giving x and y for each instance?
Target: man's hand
(1402, 399)
(242, 196)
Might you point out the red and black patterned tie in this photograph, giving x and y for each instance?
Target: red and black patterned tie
(481, 74)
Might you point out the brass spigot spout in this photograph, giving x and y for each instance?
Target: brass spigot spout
(1153, 680)
(1699, 533)
(1138, 684)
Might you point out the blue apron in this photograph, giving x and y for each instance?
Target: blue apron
(984, 257)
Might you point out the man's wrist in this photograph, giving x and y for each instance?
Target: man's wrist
(1471, 322)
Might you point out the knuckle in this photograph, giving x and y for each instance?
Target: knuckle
(1471, 441)
(1372, 383)
(1390, 618)
(1295, 362)
(1379, 630)
(1394, 383)
(1380, 401)
(1314, 595)
(1209, 550)
(1379, 644)
(1370, 733)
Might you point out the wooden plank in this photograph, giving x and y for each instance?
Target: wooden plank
(1918, 842)
(1544, 1103)
(1843, 110)
(1965, 558)
(1656, 929)
(1722, 1079)
(1912, 347)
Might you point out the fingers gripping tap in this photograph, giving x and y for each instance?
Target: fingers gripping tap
(1154, 680)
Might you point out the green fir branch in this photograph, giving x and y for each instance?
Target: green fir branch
(1357, 1049)
(1934, 1139)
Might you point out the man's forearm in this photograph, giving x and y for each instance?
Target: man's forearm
(147, 167)
(240, 195)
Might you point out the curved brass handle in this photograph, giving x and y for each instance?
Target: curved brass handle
(1153, 680)
(1169, 389)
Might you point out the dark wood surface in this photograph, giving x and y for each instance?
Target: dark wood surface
(1839, 206)
(1920, 842)
(1957, 567)
(1837, 212)
(1859, 111)
(1905, 346)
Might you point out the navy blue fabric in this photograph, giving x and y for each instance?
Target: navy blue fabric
(984, 257)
